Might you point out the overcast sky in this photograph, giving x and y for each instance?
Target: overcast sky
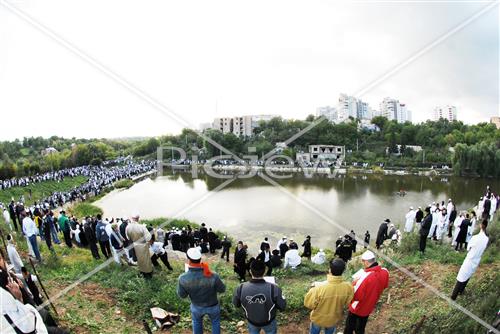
(258, 57)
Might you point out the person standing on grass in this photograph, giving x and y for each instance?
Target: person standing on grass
(475, 248)
(260, 300)
(139, 235)
(14, 257)
(226, 246)
(201, 285)
(367, 239)
(30, 231)
(327, 300)
(240, 261)
(90, 234)
(6, 217)
(368, 288)
(462, 234)
(382, 233)
(307, 248)
(102, 237)
(424, 229)
(65, 228)
(12, 214)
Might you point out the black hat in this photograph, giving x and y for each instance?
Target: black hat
(387, 220)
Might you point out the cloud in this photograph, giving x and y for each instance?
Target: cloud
(284, 57)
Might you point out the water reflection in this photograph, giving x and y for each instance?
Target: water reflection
(250, 208)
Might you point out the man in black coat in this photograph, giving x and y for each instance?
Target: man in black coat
(462, 235)
(382, 233)
(419, 215)
(307, 247)
(264, 244)
(211, 236)
(344, 250)
(203, 232)
(240, 258)
(89, 231)
(283, 249)
(425, 229)
(226, 246)
(12, 213)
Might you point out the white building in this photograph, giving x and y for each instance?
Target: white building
(447, 112)
(322, 152)
(330, 113)
(239, 125)
(346, 107)
(392, 109)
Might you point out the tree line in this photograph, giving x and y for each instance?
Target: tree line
(470, 149)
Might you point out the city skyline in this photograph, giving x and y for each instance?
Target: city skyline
(227, 59)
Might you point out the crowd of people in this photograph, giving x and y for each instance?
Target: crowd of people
(129, 242)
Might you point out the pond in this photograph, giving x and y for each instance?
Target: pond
(319, 206)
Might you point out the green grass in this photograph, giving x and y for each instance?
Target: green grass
(83, 209)
(40, 190)
(124, 184)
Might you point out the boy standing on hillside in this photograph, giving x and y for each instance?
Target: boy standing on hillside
(260, 300)
(328, 299)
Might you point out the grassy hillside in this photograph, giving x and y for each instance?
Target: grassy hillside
(40, 190)
(116, 299)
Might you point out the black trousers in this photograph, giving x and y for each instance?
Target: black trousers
(14, 220)
(94, 250)
(67, 238)
(225, 252)
(423, 243)
(105, 248)
(163, 257)
(459, 289)
(355, 324)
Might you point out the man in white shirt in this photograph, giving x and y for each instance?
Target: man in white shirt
(410, 219)
(14, 257)
(476, 248)
(292, 259)
(6, 217)
(30, 231)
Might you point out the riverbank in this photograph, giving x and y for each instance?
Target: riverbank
(342, 170)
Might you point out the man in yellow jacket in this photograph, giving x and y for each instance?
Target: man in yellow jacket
(328, 299)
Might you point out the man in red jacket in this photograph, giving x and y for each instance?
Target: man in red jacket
(368, 286)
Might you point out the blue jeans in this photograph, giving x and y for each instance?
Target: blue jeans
(315, 329)
(272, 328)
(53, 233)
(34, 245)
(197, 313)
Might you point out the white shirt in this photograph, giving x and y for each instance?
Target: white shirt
(476, 248)
(319, 258)
(14, 258)
(292, 258)
(157, 248)
(410, 218)
(29, 227)
(22, 315)
(6, 216)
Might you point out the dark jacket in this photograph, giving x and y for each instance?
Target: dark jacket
(260, 300)
(462, 235)
(419, 216)
(100, 232)
(201, 290)
(382, 233)
(307, 247)
(426, 225)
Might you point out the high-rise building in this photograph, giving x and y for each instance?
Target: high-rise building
(392, 109)
(239, 125)
(347, 107)
(446, 112)
(495, 120)
(330, 113)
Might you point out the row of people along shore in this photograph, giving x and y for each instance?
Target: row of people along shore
(128, 241)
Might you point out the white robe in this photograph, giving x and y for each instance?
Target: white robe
(493, 206)
(475, 248)
(456, 224)
(14, 258)
(471, 229)
(435, 221)
(442, 226)
(319, 258)
(410, 219)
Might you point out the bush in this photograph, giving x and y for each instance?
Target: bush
(124, 184)
(81, 210)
